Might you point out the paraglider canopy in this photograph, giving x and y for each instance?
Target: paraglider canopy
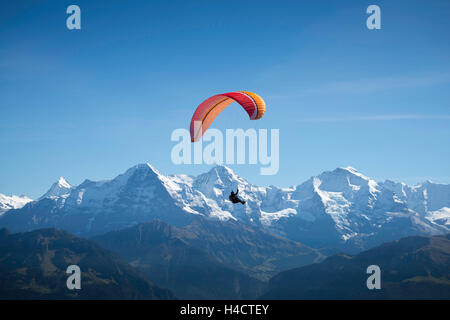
(209, 109)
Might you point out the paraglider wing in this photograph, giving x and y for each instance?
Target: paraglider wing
(209, 109)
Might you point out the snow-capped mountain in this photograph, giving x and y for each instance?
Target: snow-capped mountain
(339, 208)
(345, 204)
(58, 189)
(12, 202)
(430, 200)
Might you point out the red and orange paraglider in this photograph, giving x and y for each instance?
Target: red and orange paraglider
(209, 109)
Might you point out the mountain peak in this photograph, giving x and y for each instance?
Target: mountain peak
(143, 167)
(153, 169)
(223, 169)
(353, 171)
(218, 176)
(62, 182)
(59, 188)
(347, 180)
(342, 173)
(224, 173)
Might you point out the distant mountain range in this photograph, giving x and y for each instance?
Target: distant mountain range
(12, 202)
(33, 266)
(411, 268)
(337, 209)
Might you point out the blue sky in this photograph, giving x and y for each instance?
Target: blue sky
(90, 103)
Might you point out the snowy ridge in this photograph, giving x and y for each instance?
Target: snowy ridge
(441, 216)
(342, 206)
(58, 189)
(12, 202)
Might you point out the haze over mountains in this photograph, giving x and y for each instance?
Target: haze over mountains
(411, 268)
(207, 259)
(340, 208)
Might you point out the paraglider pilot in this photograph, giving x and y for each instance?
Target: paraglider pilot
(234, 198)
